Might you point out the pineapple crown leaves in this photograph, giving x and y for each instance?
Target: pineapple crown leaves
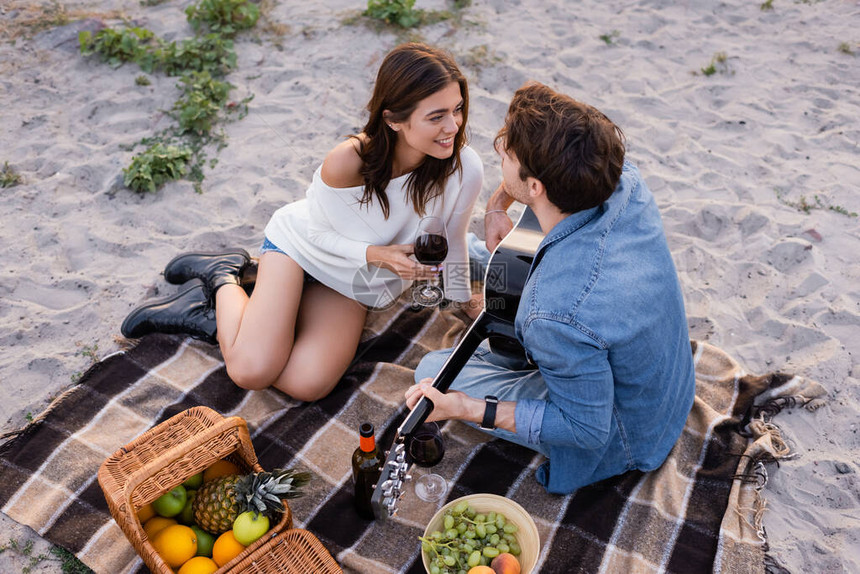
(262, 492)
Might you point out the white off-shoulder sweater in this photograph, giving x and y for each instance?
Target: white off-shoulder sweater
(329, 231)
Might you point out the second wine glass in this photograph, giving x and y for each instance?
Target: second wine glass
(431, 248)
(426, 449)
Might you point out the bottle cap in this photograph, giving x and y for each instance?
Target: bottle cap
(365, 430)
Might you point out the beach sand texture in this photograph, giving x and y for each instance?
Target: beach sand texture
(730, 158)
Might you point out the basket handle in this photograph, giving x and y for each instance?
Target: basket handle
(179, 451)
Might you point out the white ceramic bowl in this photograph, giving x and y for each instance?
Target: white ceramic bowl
(527, 533)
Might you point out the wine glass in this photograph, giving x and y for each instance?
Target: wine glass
(431, 248)
(426, 449)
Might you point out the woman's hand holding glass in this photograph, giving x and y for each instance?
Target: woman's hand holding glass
(396, 259)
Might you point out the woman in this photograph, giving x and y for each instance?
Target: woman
(344, 247)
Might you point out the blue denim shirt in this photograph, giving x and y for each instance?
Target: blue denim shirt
(602, 316)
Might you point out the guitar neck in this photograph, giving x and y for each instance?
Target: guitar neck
(394, 470)
(477, 332)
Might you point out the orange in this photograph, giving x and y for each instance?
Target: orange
(199, 565)
(226, 548)
(220, 468)
(145, 513)
(481, 570)
(175, 544)
(156, 524)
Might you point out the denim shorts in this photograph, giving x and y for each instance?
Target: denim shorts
(269, 246)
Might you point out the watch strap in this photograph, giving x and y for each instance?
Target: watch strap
(490, 404)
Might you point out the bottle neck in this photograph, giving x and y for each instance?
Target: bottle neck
(366, 443)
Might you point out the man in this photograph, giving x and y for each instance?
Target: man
(601, 315)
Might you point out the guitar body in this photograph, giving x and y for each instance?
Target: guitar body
(505, 278)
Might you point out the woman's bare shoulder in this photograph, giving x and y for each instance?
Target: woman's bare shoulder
(342, 165)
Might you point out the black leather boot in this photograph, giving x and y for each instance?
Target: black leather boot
(214, 269)
(188, 313)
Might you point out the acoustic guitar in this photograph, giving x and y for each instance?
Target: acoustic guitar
(505, 277)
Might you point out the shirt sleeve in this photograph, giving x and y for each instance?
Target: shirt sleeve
(329, 211)
(580, 388)
(469, 182)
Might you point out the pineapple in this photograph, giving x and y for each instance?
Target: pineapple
(219, 501)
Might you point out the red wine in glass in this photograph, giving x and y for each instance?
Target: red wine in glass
(426, 447)
(431, 249)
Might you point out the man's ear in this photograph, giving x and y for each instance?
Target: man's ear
(536, 187)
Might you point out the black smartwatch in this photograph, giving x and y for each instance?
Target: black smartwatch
(489, 422)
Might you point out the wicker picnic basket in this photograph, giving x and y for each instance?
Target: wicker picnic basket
(187, 443)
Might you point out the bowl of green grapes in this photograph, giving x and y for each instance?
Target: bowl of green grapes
(480, 534)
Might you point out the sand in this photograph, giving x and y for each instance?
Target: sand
(731, 157)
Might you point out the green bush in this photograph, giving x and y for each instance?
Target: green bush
(202, 99)
(210, 53)
(157, 165)
(225, 17)
(8, 176)
(396, 12)
(119, 46)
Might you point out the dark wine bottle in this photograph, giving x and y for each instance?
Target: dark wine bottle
(366, 463)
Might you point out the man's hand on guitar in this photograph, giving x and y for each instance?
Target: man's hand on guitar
(450, 405)
(497, 223)
(496, 226)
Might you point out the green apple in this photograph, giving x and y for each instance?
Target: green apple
(193, 482)
(170, 503)
(187, 515)
(205, 541)
(249, 526)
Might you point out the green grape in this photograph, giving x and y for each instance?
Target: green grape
(510, 528)
(491, 517)
(480, 530)
(515, 549)
(491, 528)
(494, 539)
(448, 522)
(509, 537)
(470, 533)
(500, 521)
(481, 518)
(450, 561)
(462, 527)
(436, 535)
(474, 559)
(461, 507)
(503, 547)
(451, 534)
(435, 569)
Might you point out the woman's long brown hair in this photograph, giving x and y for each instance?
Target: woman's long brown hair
(408, 74)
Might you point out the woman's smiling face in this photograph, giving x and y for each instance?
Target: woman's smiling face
(431, 127)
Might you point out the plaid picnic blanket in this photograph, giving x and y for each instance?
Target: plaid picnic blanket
(700, 512)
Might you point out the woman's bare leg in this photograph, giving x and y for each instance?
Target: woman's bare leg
(299, 338)
(328, 331)
(256, 334)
